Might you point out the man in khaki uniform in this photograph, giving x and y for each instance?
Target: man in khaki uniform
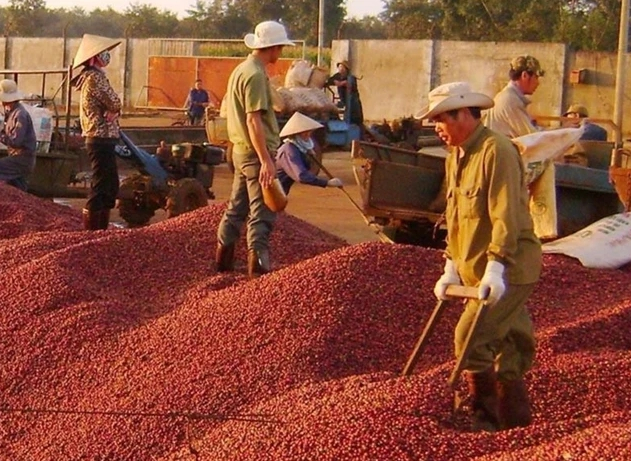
(253, 130)
(490, 245)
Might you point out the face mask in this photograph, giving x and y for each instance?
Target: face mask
(104, 57)
(303, 145)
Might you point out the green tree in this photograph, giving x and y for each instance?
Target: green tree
(144, 20)
(25, 17)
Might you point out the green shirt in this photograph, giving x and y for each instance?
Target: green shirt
(249, 91)
(487, 210)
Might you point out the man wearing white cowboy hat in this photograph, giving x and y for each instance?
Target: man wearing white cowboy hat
(490, 245)
(293, 159)
(18, 135)
(99, 111)
(253, 131)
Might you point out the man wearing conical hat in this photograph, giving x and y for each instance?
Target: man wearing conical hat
(293, 159)
(100, 108)
(18, 134)
(253, 131)
(491, 245)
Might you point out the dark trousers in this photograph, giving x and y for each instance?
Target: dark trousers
(104, 186)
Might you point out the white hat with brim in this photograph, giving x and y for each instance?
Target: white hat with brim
(299, 123)
(452, 96)
(9, 91)
(267, 34)
(92, 45)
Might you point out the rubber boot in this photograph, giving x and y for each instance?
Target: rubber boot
(514, 404)
(104, 219)
(485, 403)
(258, 263)
(91, 219)
(225, 258)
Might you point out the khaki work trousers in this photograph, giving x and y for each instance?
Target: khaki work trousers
(246, 202)
(506, 338)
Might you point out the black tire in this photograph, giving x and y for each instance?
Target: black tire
(128, 209)
(132, 215)
(186, 195)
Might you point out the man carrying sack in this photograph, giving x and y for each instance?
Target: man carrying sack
(253, 130)
(510, 117)
(490, 245)
(99, 110)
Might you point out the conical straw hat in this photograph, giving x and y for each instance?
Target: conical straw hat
(90, 46)
(299, 123)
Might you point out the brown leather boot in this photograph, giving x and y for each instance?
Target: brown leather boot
(484, 404)
(258, 263)
(91, 219)
(514, 404)
(225, 258)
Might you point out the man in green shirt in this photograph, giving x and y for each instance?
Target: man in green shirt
(253, 130)
(490, 245)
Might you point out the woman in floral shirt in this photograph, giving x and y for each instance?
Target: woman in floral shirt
(99, 111)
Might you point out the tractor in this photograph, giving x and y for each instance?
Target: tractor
(178, 183)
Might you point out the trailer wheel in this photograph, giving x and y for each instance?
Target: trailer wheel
(186, 195)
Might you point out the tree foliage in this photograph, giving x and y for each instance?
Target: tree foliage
(582, 24)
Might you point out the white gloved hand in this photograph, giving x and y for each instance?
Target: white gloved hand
(334, 182)
(450, 277)
(492, 285)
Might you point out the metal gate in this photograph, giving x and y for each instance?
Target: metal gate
(175, 64)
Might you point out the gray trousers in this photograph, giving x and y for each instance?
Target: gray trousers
(246, 202)
(16, 167)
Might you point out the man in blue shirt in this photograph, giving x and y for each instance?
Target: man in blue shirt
(196, 103)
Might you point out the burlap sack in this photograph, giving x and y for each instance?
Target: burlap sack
(298, 74)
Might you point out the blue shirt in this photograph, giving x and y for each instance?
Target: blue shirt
(195, 100)
(293, 166)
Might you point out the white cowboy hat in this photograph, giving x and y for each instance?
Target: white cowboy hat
(9, 91)
(267, 34)
(299, 123)
(455, 95)
(90, 46)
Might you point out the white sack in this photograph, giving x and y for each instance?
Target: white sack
(605, 244)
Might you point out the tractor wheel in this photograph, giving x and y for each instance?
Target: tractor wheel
(128, 209)
(133, 215)
(186, 195)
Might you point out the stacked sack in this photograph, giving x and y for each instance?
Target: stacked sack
(303, 91)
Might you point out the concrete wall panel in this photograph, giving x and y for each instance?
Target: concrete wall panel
(394, 76)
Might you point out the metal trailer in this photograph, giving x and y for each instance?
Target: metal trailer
(402, 190)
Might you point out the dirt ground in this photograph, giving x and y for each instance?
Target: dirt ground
(326, 208)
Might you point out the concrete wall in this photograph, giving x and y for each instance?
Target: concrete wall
(396, 75)
(389, 88)
(394, 92)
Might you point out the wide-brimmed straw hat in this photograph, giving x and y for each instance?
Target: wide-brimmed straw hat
(9, 91)
(451, 96)
(90, 46)
(267, 34)
(299, 123)
(345, 64)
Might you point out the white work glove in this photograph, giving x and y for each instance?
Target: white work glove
(492, 285)
(334, 182)
(450, 277)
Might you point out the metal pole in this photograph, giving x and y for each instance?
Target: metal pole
(623, 40)
(320, 31)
